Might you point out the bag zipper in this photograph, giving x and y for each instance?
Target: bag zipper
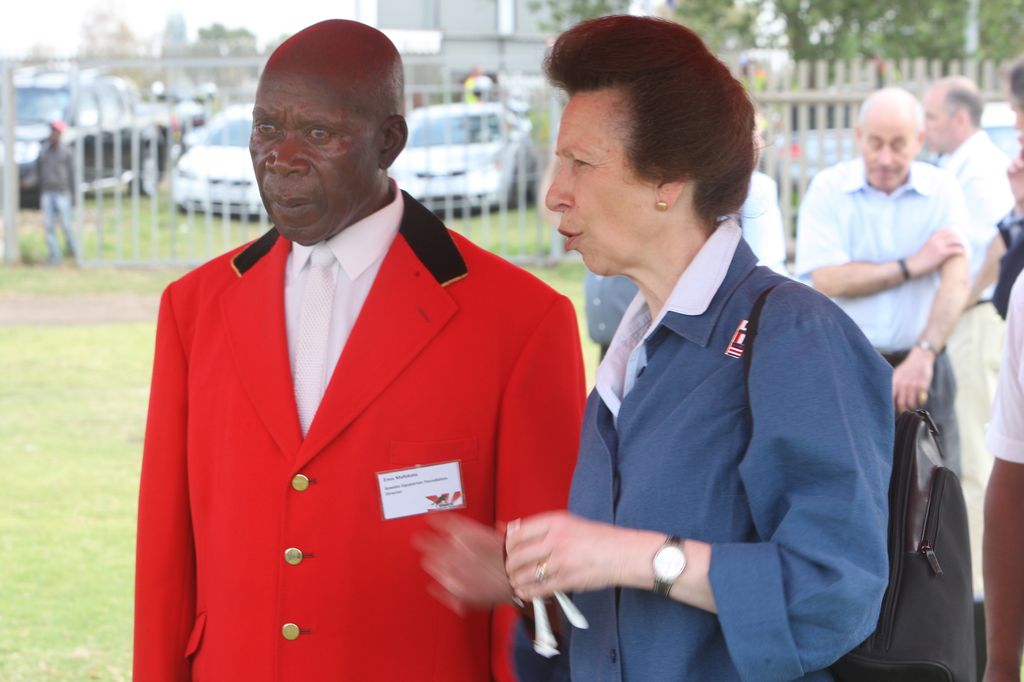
(931, 525)
(906, 437)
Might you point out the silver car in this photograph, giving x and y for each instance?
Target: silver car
(215, 174)
(475, 156)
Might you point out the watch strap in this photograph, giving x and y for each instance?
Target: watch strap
(663, 587)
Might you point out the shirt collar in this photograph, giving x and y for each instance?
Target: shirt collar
(363, 242)
(691, 296)
(955, 161)
(857, 180)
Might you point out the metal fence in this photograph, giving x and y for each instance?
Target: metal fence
(170, 182)
(153, 192)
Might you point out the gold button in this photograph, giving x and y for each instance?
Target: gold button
(300, 482)
(290, 631)
(293, 555)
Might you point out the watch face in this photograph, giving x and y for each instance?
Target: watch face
(669, 562)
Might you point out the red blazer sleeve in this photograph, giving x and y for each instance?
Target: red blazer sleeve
(165, 557)
(538, 438)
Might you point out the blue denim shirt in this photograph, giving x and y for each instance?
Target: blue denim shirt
(789, 487)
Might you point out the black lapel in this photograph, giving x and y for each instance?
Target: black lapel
(429, 240)
(252, 253)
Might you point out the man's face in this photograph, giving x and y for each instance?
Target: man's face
(320, 163)
(888, 140)
(939, 126)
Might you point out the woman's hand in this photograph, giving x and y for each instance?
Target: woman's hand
(466, 558)
(561, 552)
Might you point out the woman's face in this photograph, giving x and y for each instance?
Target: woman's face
(601, 200)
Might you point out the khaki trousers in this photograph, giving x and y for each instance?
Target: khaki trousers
(975, 349)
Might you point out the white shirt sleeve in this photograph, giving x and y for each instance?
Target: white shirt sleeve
(762, 223)
(958, 219)
(1006, 430)
(820, 239)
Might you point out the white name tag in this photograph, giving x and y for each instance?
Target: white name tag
(421, 489)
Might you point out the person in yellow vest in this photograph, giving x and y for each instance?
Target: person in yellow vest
(477, 87)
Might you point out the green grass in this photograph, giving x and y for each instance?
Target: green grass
(72, 412)
(72, 417)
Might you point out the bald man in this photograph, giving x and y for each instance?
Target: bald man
(319, 393)
(883, 235)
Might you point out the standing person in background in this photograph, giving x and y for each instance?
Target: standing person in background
(1004, 517)
(952, 124)
(320, 393)
(1004, 513)
(1009, 251)
(478, 87)
(883, 236)
(55, 169)
(721, 526)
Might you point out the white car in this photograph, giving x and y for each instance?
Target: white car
(999, 120)
(467, 155)
(215, 174)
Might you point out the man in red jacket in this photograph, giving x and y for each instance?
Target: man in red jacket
(318, 393)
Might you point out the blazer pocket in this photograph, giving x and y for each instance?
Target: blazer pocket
(196, 638)
(430, 452)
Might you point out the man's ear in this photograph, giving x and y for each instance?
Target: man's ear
(393, 135)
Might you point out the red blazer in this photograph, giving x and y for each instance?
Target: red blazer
(456, 355)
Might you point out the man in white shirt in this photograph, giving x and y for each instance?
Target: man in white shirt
(883, 236)
(953, 109)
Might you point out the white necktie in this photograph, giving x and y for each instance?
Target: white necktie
(314, 327)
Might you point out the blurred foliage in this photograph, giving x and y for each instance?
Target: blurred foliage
(558, 15)
(844, 29)
(725, 26)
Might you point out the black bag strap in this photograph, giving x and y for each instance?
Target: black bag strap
(752, 322)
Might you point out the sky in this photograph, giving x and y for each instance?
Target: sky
(58, 23)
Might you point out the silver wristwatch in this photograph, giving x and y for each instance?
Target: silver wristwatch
(669, 562)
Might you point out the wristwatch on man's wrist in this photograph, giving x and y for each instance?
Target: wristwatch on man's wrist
(926, 345)
(669, 563)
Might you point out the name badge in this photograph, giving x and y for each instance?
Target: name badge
(421, 490)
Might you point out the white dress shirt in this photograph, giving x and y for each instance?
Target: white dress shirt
(980, 168)
(843, 219)
(691, 295)
(359, 249)
(762, 223)
(1006, 430)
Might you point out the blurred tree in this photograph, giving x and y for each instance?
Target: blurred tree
(1000, 23)
(219, 39)
(843, 29)
(728, 26)
(557, 15)
(106, 34)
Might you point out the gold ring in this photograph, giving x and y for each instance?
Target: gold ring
(922, 397)
(541, 571)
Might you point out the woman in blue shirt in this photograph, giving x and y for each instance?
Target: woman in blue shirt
(720, 526)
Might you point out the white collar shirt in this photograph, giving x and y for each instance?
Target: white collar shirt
(980, 168)
(843, 219)
(1005, 435)
(691, 295)
(359, 251)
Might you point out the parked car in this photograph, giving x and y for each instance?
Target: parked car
(478, 155)
(215, 173)
(999, 121)
(103, 113)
